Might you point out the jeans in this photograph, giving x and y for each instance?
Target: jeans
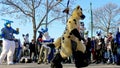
(110, 56)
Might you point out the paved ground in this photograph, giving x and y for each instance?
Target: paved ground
(35, 65)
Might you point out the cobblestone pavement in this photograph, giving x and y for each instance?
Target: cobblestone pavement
(35, 65)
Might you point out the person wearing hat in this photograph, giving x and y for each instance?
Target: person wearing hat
(8, 42)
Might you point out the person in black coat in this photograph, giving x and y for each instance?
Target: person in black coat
(32, 50)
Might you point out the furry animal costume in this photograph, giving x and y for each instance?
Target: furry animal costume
(70, 42)
(8, 42)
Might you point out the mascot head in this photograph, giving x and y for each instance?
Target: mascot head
(7, 23)
(26, 38)
(44, 31)
(98, 34)
(77, 13)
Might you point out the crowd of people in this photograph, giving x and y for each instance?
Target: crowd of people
(105, 49)
(98, 49)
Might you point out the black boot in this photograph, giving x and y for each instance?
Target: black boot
(80, 59)
(56, 62)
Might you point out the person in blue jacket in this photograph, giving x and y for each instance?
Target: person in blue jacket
(118, 46)
(8, 42)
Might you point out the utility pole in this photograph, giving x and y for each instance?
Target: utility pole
(91, 20)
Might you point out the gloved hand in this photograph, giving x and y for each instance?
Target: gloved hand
(52, 39)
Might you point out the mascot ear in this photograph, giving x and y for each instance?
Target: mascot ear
(23, 35)
(7, 21)
(99, 32)
(78, 7)
(27, 35)
(39, 31)
(42, 30)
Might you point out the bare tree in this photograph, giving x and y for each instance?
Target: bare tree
(106, 18)
(34, 11)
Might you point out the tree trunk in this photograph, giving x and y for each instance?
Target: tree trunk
(34, 28)
(108, 30)
(34, 34)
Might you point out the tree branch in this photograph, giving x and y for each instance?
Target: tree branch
(38, 4)
(23, 11)
(55, 19)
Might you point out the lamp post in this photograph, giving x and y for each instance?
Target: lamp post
(67, 10)
(91, 20)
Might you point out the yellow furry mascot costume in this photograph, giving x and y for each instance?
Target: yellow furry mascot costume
(70, 42)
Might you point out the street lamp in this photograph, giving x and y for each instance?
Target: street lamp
(66, 10)
(91, 20)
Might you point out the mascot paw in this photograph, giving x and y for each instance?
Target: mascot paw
(56, 65)
(39, 62)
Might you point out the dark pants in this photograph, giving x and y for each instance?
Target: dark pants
(118, 56)
(98, 56)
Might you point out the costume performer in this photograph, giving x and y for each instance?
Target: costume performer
(70, 42)
(8, 42)
(45, 49)
(26, 51)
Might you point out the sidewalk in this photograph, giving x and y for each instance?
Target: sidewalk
(35, 65)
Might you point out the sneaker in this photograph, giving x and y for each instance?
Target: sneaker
(113, 63)
(0, 62)
(10, 63)
(46, 62)
(108, 61)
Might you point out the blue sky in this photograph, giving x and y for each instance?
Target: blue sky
(56, 29)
